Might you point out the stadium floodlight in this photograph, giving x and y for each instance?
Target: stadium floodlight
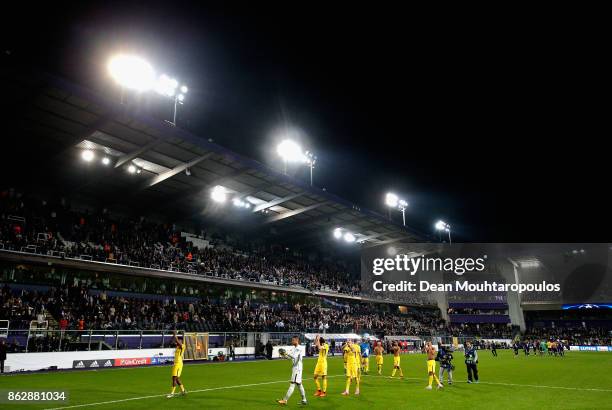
(290, 151)
(341, 233)
(132, 72)
(349, 237)
(218, 194)
(88, 155)
(442, 226)
(184, 89)
(310, 159)
(239, 203)
(338, 233)
(391, 200)
(394, 201)
(106, 160)
(132, 169)
(166, 86)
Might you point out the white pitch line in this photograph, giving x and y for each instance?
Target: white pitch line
(338, 375)
(511, 384)
(164, 395)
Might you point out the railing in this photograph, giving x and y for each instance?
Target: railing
(44, 340)
(38, 340)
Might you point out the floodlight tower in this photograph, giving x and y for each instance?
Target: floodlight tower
(290, 151)
(131, 72)
(442, 226)
(393, 201)
(167, 87)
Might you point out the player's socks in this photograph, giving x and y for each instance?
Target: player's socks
(303, 394)
(437, 380)
(182, 389)
(318, 383)
(401, 373)
(393, 372)
(289, 392)
(173, 389)
(348, 384)
(325, 385)
(430, 381)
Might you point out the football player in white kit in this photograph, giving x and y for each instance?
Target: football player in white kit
(295, 355)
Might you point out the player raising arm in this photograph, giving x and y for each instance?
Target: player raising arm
(177, 368)
(321, 367)
(431, 365)
(350, 365)
(295, 355)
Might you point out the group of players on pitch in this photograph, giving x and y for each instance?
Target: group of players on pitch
(356, 362)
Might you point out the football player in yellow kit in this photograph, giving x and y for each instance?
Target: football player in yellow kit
(321, 367)
(177, 368)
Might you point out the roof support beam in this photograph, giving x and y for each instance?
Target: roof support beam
(275, 202)
(385, 242)
(295, 212)
(131, 155)
(373, 236)
(312, 222)
(176, 170)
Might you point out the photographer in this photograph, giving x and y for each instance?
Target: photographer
(445, 357)
(471, 361)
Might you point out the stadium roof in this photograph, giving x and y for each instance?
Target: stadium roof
(179, 168)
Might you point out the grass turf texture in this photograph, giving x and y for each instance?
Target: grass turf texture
(578, 380)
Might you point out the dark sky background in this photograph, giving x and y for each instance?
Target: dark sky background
(491, 125)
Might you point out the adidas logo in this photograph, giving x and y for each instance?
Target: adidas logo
(108, 363)
(94, 364)
(79, 365)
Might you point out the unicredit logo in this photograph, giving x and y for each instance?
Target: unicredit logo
(133, 361)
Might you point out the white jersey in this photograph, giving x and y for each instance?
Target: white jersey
(295, 354)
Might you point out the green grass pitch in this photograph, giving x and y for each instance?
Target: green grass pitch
(580, 380)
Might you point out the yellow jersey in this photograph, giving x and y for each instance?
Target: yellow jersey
(323, 351)
(179, 352)
(357, 354)
(347, 353)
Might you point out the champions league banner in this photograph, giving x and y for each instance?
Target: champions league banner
(421, 273)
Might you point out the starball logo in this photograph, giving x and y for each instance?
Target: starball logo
(413, 265)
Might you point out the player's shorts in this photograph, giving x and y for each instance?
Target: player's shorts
(365, 360)
(351, 370)
(320, 369)
(396, 361)
(379, 360)
(177, 369)
(296, 376)
(431, 366)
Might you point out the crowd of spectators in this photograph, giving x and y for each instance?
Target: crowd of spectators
(580, 335)
(34, 225)
(79, 308)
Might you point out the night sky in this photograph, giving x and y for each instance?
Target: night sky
(490, 125)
